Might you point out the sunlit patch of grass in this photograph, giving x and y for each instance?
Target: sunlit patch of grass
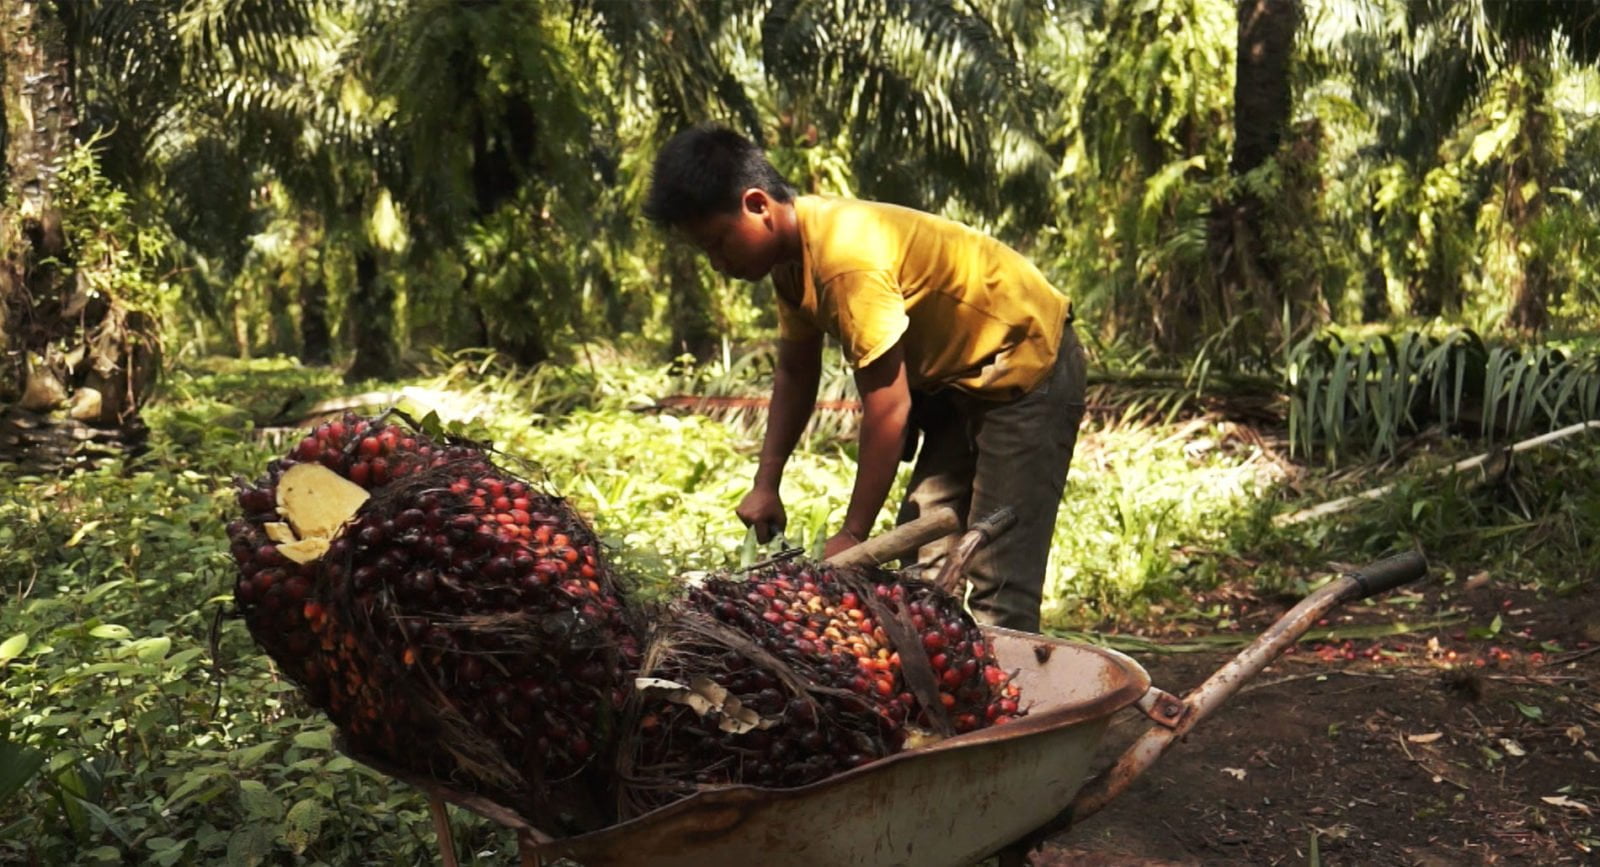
(258, 388)
(1154, 510)
(661, 488)
(664, 488)
(1531, 524)
(1146, 504)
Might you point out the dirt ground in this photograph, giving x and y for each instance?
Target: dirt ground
(1469, 741)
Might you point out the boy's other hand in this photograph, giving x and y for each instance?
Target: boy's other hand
(763, 510)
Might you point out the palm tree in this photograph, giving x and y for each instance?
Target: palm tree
(1262, 98)
(162, 90)
(1424, 70)
(1525, 34)
(184, 98)
(493, 151)
(1152, 129)
(1246, 266)
(63, 343)
(38, 115)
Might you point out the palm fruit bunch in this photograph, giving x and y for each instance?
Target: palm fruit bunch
(799, 671)
(454, 621)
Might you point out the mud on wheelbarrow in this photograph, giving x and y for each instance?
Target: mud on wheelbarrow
(994, 791)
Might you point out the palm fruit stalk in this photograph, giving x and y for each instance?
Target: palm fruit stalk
(453, 620)
(800, 671)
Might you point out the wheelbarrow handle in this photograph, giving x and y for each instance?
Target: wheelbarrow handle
(1387, 574)
(901, 541)
(997, 522)
(1175, 718)
(979, 534)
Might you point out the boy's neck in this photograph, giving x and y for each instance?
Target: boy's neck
(787, 223)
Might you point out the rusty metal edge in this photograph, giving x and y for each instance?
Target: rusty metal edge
(1136, 682)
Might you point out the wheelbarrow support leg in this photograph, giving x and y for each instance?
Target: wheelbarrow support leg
(526, 855)
(441, 830)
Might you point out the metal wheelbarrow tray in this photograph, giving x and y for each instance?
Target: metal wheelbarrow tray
(996, 790)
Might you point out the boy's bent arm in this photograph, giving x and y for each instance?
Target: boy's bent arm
(794, 396)
(885, 408)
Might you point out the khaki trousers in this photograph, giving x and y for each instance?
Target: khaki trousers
(977, 456)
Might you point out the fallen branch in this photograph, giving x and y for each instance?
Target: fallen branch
(1333, 507)
(713, 404)
(1315, 674)
(1247, 385)
(416, 394)
(1535, 679)
(706, 404)
(1573, 656)
(1438, 777)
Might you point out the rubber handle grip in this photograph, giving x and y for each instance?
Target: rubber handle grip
(1389, 573)
(997, 522)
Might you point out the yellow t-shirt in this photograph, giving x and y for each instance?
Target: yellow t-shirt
(969, 311)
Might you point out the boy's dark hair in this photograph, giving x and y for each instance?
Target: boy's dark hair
(703, 171)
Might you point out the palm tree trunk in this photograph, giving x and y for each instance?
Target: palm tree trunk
(524, 341)
(1536, 162)
(1247, 276)
(35, 78)
(371, 319)
(316, 342)
(692, 329)
(61, 347)
(316, 337)
(519, 335)
(1261, 93)
(526, 348)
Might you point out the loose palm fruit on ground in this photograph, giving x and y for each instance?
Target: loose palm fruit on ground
(800, 671)
(451, 618)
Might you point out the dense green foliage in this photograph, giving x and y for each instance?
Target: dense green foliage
(437, 176)
(487, 160)
(1375, 391)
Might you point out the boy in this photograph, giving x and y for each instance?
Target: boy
(949, 332)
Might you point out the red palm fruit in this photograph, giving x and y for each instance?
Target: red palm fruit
(377, 626)
(255, 501)
(815, 621)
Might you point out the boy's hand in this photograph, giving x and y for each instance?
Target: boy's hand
(762, 509)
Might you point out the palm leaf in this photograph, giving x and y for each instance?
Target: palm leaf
(1380, 389)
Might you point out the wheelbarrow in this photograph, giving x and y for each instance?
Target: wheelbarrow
(995, 791)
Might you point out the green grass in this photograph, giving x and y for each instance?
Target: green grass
(1145, 515)
(155, 749)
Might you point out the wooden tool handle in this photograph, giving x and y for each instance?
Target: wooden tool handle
(901, 541)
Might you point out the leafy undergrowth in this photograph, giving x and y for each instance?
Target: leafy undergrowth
(131, 737)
